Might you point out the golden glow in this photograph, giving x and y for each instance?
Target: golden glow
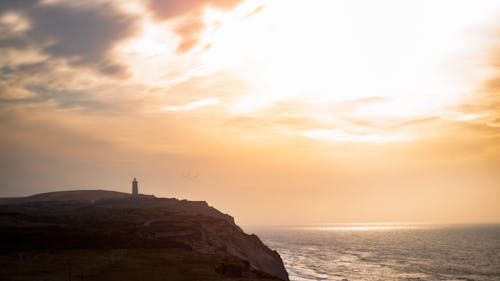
(323, 54)
(314, 111)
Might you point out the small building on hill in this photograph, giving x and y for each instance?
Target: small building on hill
(135, 187)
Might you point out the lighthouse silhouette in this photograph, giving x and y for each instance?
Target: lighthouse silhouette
(135, 187)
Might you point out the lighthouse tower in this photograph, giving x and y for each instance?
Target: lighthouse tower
(135, 187)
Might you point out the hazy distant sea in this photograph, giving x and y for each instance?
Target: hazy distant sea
(404, 252)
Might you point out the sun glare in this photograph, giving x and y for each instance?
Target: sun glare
(335, 60)
(324, 54)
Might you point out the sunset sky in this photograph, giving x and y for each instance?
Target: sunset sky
(277, 112)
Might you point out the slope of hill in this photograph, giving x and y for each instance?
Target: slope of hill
(60, 225)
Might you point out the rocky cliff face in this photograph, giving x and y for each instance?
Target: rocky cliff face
(112, 220)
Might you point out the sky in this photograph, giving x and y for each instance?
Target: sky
(276, 112)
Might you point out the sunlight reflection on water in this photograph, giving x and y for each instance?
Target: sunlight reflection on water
(360, 227)
(387, 252)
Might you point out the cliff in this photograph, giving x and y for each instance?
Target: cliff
(103, 222)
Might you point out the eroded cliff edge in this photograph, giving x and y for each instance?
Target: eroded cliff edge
(98, 220)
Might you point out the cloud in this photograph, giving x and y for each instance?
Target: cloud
(50, 81)
(81, 34)
(191, 13)
(189, 30)
(343, 136)
(11, 92)
(192, 105)
(13, 23)
(221, 85)
(167, 9)
(245, 122)
(480, 110)
(412, 122)
(257, 10)
(39, 94)
(495, 123)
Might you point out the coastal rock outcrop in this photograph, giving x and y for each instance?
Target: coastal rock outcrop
(107, 220)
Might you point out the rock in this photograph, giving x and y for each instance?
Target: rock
(99, 219)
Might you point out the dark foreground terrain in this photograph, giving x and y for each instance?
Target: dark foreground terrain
(103, 235)
(125, 264)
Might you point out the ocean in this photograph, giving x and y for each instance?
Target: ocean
(387, 252)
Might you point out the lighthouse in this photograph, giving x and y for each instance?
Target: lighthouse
(135, 187)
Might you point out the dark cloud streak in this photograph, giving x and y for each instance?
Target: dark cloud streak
(81, 34)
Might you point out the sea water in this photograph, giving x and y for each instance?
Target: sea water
(387, 252)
